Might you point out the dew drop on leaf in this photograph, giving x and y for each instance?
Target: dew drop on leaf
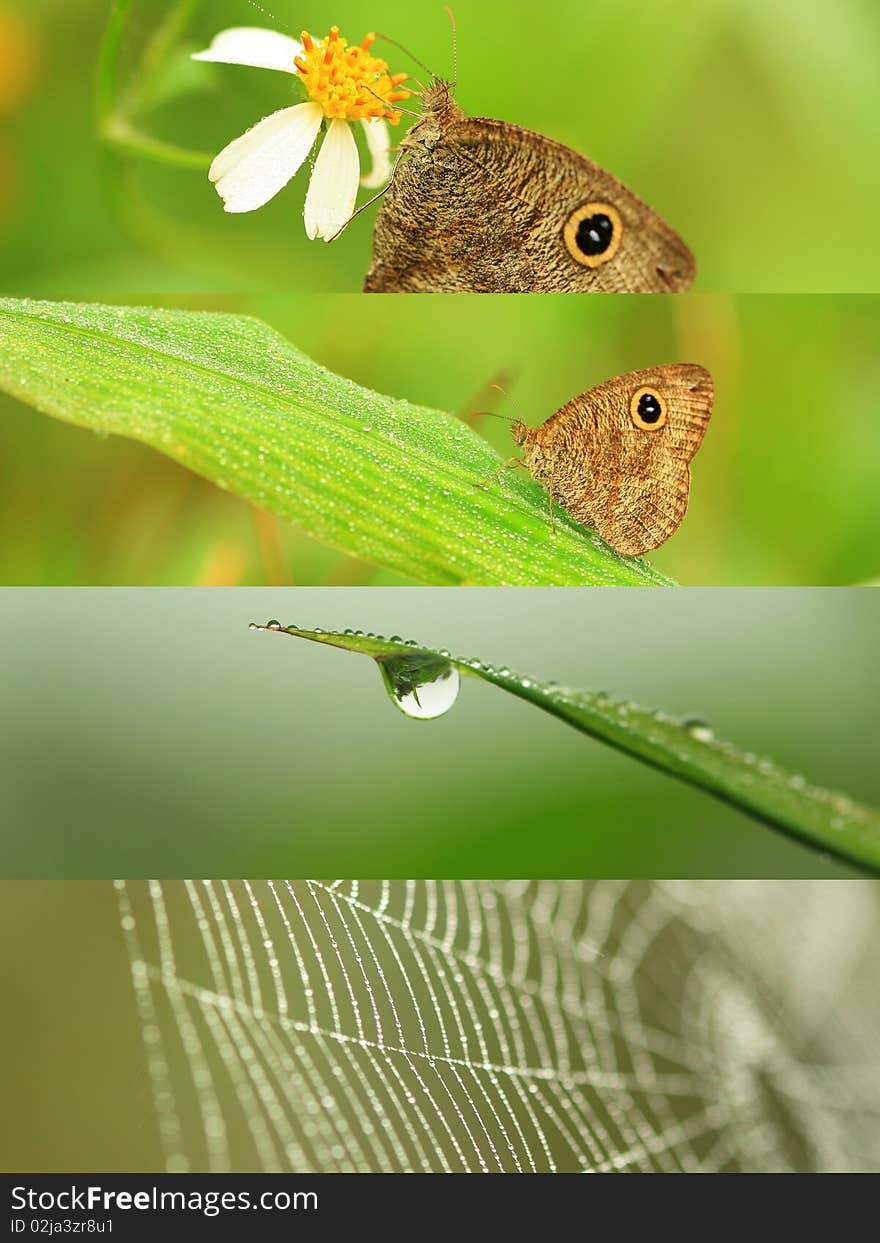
(421, 685)
(699, 729)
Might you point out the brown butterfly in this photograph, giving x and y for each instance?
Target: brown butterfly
(481, 206)
(617, 457)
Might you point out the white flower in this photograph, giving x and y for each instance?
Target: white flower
(344, 84)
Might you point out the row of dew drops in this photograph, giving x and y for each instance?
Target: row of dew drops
(697, 727)
(425, 685)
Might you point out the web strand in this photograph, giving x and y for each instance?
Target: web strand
(511, 1026)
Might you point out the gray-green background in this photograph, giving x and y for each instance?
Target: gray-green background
(151, 733)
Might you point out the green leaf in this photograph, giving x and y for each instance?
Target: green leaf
(687, 749)
(389, 482)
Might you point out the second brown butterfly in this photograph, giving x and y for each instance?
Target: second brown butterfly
(617, 458)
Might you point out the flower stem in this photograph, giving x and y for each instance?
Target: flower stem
(107, 77)
(127, 140)
(116, 109)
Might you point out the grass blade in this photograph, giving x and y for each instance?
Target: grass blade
(687, 749)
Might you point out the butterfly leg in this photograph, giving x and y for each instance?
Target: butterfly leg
(551, 511)
(369, 203)
(496, 474)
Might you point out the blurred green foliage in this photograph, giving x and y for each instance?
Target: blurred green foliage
(72, 1046)
(750, 126)
(784, 488)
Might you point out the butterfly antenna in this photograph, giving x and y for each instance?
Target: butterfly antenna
(451, 16)
(504, 393)
(408, 53)
(492, 414)
(475, 408)
(397, 108)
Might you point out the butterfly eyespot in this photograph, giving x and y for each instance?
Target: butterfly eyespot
(647, 409)
(592, 234)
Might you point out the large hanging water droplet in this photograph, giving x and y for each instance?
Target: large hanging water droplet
(420, 685)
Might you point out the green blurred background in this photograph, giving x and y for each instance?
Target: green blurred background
(750, 126)
(75, 1087)
(784, 487)
(150, 733)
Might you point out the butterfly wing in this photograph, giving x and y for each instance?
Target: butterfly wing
(624, 473)
(483, 206)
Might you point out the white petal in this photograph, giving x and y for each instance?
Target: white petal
(379, 143)
(334, 185)
(252, 45)
(253, 168)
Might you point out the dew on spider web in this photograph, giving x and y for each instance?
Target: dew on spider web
(516, 1026)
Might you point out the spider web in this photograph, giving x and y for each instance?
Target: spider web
(509, 1026)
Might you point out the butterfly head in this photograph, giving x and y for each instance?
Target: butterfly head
(519, 432)
(440, 111)
(438, 98)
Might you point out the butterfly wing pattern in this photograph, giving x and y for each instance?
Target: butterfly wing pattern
(482, 206)
(625, 475)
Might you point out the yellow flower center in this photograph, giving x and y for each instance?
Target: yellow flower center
(349, 83)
